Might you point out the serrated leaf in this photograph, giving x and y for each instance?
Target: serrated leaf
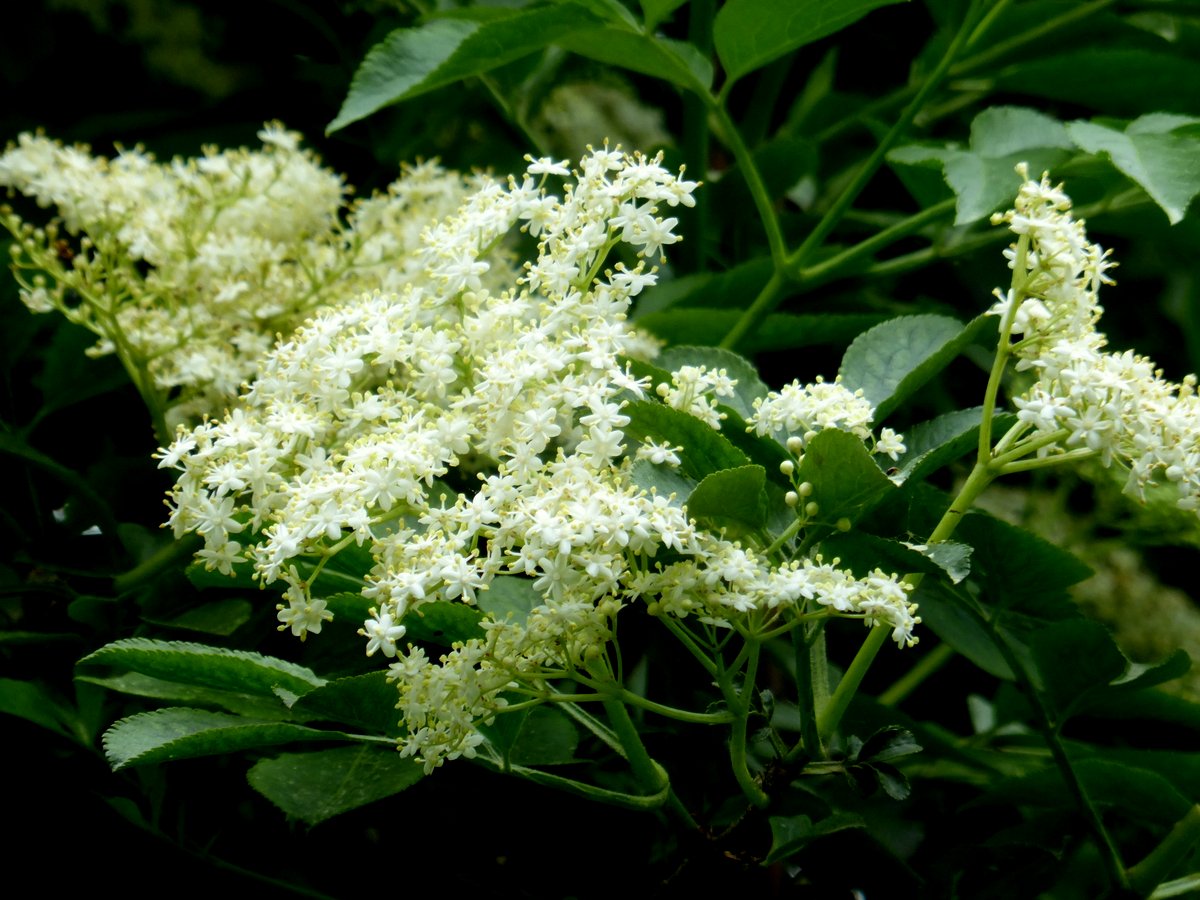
(320, 784)
(221, 617)
(662, 479)
(240, 671)
(892, 360)
(252, 705)
(790, 834)
(180, 733)
(892, 780)
(749, 386)
(1019, 570)
(983, 177)
(1075, 657)
(937, 442)
(673, 61)
(731, 498)
(509, 597)
(949, 614)
(888, 743)
(546, 738)
(704, 449)
(951, 557)
(1139, 676)
(846, 481)
(365, 701)
(862, 553)
(1161, 153)
(750, 33)
(413, 61)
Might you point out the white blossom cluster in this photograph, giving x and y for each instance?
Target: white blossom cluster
(466, 434)
(797, 412)
(1116, 405)
(189, 269)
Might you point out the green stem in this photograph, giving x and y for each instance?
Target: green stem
(867, 170)
(653, 777)
(771, 294)
(672, 712)
(969, 64)
(163, 558)
(684, 638)
(737, 735)
(1050, 728)
(768, 298)
(732, 138)
(696, 138)
(812, 688)
(831, 716)
(1150, 872)
(830, 267)
(927, 665)
(642, 802)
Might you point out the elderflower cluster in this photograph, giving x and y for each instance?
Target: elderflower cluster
(1114, 405)
(188, 269)
(798, 412)
(472, 438)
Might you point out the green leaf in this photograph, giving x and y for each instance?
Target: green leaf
(1074, 657)
(656, 11)
(1139, 676)
(221, 617)
(705, 450)
(180, 733)
(239, 671)
(791, 834)
(846, 481)
(750, 33)
(735, 287)
(955, 618)
(673, 61)
(862, 552)
(1118, 81)
(34, 703)
(983, 178)
(749, 386)
(1140, 794)
(412, 61)
(895, 358)
(662, 479)
(1160, 152)
(732, 498)
(320, 784)
(364, 701)
(546, 738)
(779, 331)
(509, 596)
(252, 705)
(1019, 570)
(938, 442)
(888, 743)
